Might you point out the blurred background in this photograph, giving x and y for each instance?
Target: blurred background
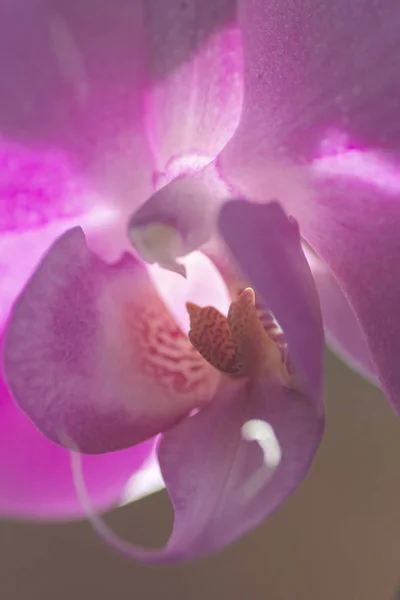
(337, 538)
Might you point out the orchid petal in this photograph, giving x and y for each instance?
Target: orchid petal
(192, 113)
(92, 355)
(35, 474)
(37, 188)
(25, 250)
(226, 487)
(229, 481)
(35, 479)
(70, 75)
(315, 70)
(70, 83)
(267, 247)
(342, 328)
(353, 226)
(78, 77)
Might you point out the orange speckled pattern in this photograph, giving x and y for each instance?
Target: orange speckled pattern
(238, 344)
(209, 333)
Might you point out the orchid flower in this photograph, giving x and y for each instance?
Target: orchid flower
(194, 215)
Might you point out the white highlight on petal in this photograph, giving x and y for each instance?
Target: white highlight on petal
(101, 215)
(148, 480)
(263, 434)
(366, 166)
(203, 285)
(181, 165)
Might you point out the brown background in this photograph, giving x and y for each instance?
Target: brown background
(337, 538)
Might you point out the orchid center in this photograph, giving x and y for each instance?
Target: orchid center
(240, 344)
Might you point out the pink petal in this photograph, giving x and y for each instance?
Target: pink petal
(92, 356)
(36, 188)
(25, 249)
(94, 78)
(315, 68)
(343, 331)
(354, 227)
(35, 474)
(214, 493)
(226, 485)
(195, 110)
(71, 110)
(70, 76)
(267, 247)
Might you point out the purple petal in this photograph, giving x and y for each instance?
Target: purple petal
(342, 328)
(92, 355)
(37, 188)
(26, 249)
(35, 474)
(94, 78)
(225, 485)
(216, 493)
(354, 227)
(315, 68)
(70, 78)
(193, 112)
(267, 247)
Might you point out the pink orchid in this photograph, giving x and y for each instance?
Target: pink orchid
(131, 124)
